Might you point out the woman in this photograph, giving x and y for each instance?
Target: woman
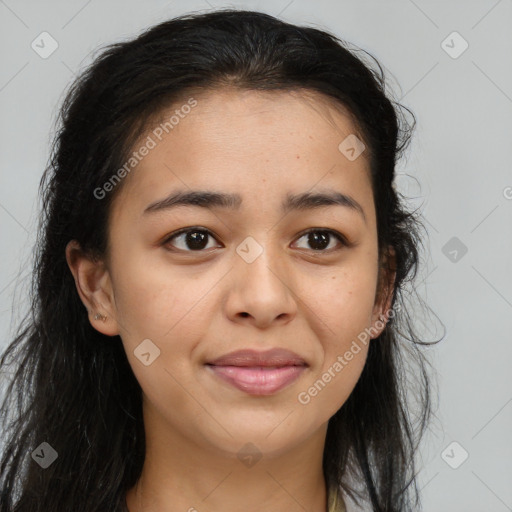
(216, 314)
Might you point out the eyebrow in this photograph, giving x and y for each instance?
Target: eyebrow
(293, 202)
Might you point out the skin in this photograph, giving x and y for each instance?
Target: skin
(199, 305)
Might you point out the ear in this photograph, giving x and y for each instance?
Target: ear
(385, 292)
(94, 287)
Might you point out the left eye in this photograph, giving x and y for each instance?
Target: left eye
(321, 238)
(195, 239)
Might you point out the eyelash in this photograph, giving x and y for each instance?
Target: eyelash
(343, 241)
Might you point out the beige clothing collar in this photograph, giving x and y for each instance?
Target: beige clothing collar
(335, 501)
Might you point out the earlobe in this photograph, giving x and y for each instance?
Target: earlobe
(385, 292)
(380, 318)
(94, 287)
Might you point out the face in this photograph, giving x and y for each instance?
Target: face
(188, 283)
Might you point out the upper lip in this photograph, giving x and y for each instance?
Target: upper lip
(273, 357)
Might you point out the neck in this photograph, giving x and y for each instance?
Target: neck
(179, 475)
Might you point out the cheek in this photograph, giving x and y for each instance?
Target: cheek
(154, 300)
(345, 304)
(345, 310)
(326, 393)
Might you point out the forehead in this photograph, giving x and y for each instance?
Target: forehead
(251, 142)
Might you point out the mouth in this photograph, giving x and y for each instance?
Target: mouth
(258, 373)
(258, 380)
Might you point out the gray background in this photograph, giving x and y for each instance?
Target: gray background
(461, 178)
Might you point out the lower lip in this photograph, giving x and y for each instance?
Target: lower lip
(258, 380)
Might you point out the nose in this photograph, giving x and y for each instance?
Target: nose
(261, 292)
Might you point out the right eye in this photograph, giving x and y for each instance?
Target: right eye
(192, 239)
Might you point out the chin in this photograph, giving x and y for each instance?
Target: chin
(271, 439)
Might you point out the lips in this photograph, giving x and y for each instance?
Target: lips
(258, 373)
(275, 357)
